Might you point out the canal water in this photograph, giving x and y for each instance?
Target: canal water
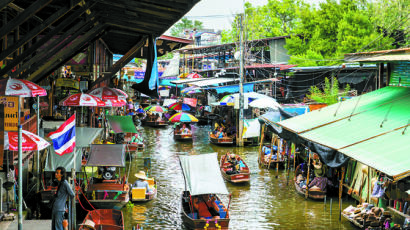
(268, 202)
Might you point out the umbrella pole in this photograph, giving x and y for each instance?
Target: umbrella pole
(38, 152)
(20, 177)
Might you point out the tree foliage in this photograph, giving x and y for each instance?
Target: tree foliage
(179, 28)
(330, 93)
(320, 35)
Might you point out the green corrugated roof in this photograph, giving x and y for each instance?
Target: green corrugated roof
(391, 104)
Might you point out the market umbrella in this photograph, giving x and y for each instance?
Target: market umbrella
(183, 75)
(164, 87)
(183, 117)
(115, 103)
(187, 90)
(193, 75)
(20, 87)
(227, 100)
(264, 103)
(106, 93)
(155, 108)
(29, 141)
(82, 99)
(178, 106)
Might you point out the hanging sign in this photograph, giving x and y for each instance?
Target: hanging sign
(11, 112)
(67, 82)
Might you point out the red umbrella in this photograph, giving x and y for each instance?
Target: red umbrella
(82, 99)
(193, 75)
(106, 93)
(115, 103)
(20, 87)
(30, 141)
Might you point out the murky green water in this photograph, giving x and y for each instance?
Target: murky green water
(268, 202)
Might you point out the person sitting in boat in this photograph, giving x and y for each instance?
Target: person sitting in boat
(141, 182)
(234, 164)
(185, 129)
(220, 133)
(204, 205)
(140, 110)
(136, 139)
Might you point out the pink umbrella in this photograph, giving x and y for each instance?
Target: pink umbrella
(30, 141)
(115, 103)
(82, 99)
(106, 93)
(20, 87)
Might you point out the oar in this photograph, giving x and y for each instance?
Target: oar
(260, 155)
(291, 152)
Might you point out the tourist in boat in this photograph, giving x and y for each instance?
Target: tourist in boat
(141, 181)
(59, 207)
(220, 133)
(185, 129)
(234, 164)
(137, 139)
(203, 204)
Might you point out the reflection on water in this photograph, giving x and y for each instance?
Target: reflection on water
(269, 201)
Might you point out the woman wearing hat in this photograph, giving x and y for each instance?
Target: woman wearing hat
(141, 181)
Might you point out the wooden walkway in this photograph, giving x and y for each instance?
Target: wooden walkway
(27, 224)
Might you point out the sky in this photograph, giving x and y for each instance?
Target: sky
(219, 14)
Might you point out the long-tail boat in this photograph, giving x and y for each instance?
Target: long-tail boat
(108, 191)
(241, 175)
(224, 141)
(183, 137)
(141, 195)
(109, 219)
(202, 177)
(312, 194)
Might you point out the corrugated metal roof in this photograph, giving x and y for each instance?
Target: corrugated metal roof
(354, 126)
(213, 81)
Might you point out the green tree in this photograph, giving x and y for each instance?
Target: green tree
(330, 93)
(178, 29)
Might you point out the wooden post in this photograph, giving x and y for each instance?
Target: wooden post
(260, 156)
(271, 149)
(294, 156)
(277, 156)
(340, 193)
(368, 184)
(307, 179)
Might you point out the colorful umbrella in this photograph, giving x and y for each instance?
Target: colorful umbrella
(164, 87)
(227, 100)
(115, 103)
(82, 99)
(155, 108)
(178, 106)
(183, 117)
(20, 87)
(183, 75)
(106, 93)
(193, 75)
(191, 88)
(29, 141)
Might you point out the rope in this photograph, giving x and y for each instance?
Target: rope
(75, 181)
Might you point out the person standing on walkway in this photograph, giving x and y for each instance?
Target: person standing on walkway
(63, 191)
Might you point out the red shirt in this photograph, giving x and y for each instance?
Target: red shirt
(203, 210)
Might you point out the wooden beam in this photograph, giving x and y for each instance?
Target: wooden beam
(122, 62)
(27, 13)
(30, 35)
(39, 57)
(57, 59)
(4, 3)
(141, 31)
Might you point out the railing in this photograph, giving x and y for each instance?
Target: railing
(30, 124)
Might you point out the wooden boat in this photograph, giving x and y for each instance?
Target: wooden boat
(227, 141)
(196, 223)
(315, 195)
(141, 195)
(182, 137)
(155, 124)
(201, 180)
(243, 174)
(109, 219)
(108, 192)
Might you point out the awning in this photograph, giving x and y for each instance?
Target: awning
(214, 81)
(247, 87)
(107, 155)
(202, 174)
(186, 81)
(53, 160)
(121, 124)
(368, 128)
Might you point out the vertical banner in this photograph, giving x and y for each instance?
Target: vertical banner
(1, 135)
(11, 112)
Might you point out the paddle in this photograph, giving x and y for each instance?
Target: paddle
(307, 179)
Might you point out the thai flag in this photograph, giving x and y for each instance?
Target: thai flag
(64, 137)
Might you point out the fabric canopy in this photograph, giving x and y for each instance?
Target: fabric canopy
(252, 128)
(107, 155)
(247, 87)
(84, 136)
(67, 160)
(202, 174)
(369, 128)
(121, 124)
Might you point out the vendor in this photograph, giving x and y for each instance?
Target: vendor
(141, 182)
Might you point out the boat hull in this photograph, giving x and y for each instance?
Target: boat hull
(314, 195)
(105, 219)
(154, 124)
(225, 141)
(242, 177)
(183, 137)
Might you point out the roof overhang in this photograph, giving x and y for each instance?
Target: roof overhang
(380, 56)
